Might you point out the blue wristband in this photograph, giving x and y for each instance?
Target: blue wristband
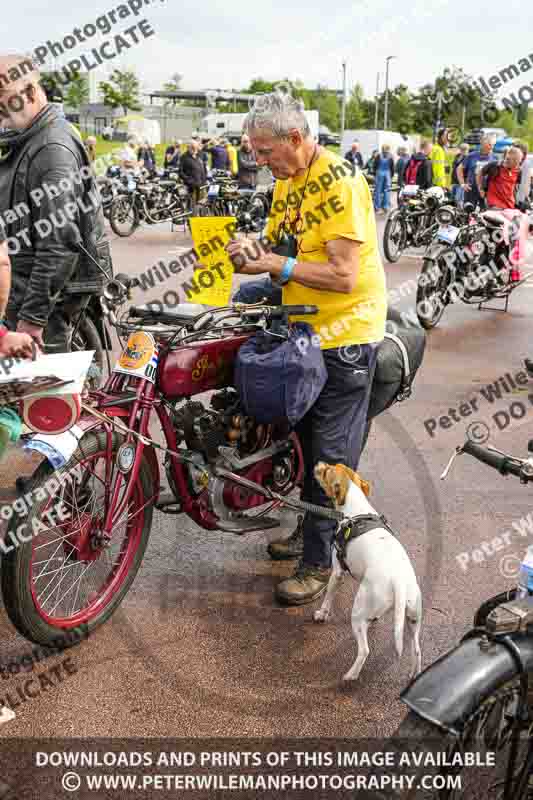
(287, 271)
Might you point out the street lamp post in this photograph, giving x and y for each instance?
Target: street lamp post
(377, 104)
(386, 111)
(343, 107)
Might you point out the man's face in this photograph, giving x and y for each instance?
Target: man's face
(355, 147)
(279, 155)
(22, 99)
(487, 148)
(245, 143)
(513, 159)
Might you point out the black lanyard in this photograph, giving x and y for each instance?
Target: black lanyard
(298, 218)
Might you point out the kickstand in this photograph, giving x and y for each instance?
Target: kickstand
(483, 307)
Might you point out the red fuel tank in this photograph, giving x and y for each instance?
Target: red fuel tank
(198, 367)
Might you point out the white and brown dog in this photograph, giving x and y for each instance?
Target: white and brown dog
(378, 560)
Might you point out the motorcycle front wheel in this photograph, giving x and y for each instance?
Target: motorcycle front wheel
(123, 216)
(432, 288)
(488, 731)
(59, 571)
(394, 237)
(87, 337)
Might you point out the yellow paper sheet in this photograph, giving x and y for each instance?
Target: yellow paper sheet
(216, 280)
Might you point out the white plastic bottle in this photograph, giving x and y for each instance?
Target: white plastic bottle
(525, 577)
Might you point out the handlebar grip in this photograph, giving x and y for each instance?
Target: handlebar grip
(495, 460)
(299, 311)
(139, 311)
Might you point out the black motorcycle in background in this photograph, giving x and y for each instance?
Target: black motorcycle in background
(148, 199)
(478, 698)
(412, 224)
(467, 260)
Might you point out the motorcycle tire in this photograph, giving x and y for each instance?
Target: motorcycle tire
(25, 607)
(395, 226)
(431, 290)
(88, 338)
(119, 205)
(488, 729)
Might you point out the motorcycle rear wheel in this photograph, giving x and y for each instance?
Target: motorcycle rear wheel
(123, 216)
(487, 730)
(43, 607)
(394, 237)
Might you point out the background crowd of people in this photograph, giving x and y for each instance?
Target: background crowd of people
(193, 160)
(458, 169)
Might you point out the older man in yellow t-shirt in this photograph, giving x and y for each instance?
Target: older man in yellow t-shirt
(325, 204)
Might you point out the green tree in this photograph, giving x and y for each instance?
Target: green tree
(122, 91)
(401, 113)
(173, 85)
(77, 92)
(357, 109)
(52, 86)
(327, 104)
(259, 86)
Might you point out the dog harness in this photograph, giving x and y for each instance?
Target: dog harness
(353, 528)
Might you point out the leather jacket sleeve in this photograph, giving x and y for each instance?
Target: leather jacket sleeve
(184, 169)
(55, 228)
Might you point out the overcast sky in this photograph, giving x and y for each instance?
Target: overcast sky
(217, 44)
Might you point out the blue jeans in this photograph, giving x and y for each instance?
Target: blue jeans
(255, 291)
(382, 191)
(458, 194)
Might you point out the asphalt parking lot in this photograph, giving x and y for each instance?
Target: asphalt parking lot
(199, 647)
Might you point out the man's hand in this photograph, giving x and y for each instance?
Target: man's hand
(18, 345)
(244, 265)
(32, 330)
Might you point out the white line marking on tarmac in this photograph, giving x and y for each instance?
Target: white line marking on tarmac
(6, 715)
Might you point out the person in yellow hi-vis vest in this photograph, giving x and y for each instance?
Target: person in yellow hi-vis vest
(233, 159)
(440, 163)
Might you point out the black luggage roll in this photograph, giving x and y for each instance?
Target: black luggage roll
(399, 358)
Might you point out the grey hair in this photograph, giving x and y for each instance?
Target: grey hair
(278, 113)
(488, 138)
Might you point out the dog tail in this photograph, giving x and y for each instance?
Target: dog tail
(400, 605)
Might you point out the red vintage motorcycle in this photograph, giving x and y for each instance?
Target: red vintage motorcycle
(224, 470)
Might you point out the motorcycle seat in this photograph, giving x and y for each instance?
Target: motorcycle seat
(183, 314)
(169, 184)
(493, 218)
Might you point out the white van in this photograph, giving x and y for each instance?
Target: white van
(374, 140)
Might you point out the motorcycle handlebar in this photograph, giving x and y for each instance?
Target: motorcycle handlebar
(501, 462)
(298, 311)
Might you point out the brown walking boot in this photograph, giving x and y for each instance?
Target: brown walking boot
(305, 585)
(293, 547)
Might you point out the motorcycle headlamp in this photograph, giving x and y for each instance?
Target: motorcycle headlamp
(114, 291)
(444, 215)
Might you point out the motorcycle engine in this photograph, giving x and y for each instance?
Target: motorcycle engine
(224, 424)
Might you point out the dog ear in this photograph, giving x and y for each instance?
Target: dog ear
(339, 491)
(356, 478)
(365, 487)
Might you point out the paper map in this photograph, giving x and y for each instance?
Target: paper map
(216, 280)
(59, 373)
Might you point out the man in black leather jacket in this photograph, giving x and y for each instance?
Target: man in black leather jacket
(49, 204)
